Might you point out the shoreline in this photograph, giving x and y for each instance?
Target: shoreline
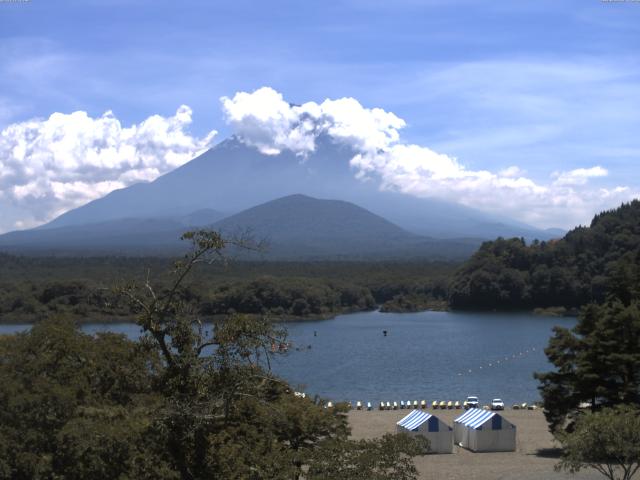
(559, 312)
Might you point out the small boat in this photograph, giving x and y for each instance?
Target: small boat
(449, 404)
(434, 404)
(443, 405)
(457, 405)
(358, 405)
(395, 405)
(369, 407)
(423, 404)
(415, 404)
(401, 404)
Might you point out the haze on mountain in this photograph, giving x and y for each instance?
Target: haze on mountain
(233, 177)
(296, 227)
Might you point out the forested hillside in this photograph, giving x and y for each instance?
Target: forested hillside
(573, 271)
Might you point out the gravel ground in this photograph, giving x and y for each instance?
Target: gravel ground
(534, 458)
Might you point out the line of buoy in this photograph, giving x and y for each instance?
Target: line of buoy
(442, 405)
(495, 363)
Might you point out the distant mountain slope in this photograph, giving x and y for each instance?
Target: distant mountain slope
(126, 236)
(577, 269)
(232, 177)
(298, 226)
(295, 227)
(299, 217)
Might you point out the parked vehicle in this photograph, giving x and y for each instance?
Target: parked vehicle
(497, 404)
(471, 402)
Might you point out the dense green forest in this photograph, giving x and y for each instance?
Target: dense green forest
(183, 403)
(570, 272)
(591, 397)
(33, 287)
(502, 274)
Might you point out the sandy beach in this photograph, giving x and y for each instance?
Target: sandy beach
(534, 458)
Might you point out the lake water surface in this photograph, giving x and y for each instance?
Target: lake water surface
(427, 355)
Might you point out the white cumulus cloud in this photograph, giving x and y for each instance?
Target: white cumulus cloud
(579, 176)
(264, 119)
(48, 166)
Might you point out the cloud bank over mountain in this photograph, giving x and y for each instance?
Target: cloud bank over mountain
(264, 119)
(48, 166)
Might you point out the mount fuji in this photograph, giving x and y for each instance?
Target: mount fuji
(233, 177)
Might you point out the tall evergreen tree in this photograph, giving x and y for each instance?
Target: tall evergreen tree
(597, 362)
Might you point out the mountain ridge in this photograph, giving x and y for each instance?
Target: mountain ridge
(233, 177)
(296, 227)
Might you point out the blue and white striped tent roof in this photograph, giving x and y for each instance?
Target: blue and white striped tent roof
(414, 419)
(475, 417)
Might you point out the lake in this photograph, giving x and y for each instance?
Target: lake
(426, 355)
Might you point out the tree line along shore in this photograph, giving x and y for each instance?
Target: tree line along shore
(554, 277)
(84, 288)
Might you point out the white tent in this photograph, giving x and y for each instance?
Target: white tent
(439, 434)
(484, 431)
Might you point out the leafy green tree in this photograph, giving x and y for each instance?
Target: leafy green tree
(188, 401)
(597, 362)
(56, 381)
(378, 459)
(607, 441)
(225, 414)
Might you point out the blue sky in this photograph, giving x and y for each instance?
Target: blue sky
(546, 86)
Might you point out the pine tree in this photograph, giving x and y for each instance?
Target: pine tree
(597, 362)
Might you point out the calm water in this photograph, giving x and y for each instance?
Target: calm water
(428, 355)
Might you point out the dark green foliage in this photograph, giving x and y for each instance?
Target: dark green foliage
(56, 382)
(597, 362)
(571, 272)
(32, 287)
(186, 402)
(295, 297)
(379, 459)
(607, 441)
